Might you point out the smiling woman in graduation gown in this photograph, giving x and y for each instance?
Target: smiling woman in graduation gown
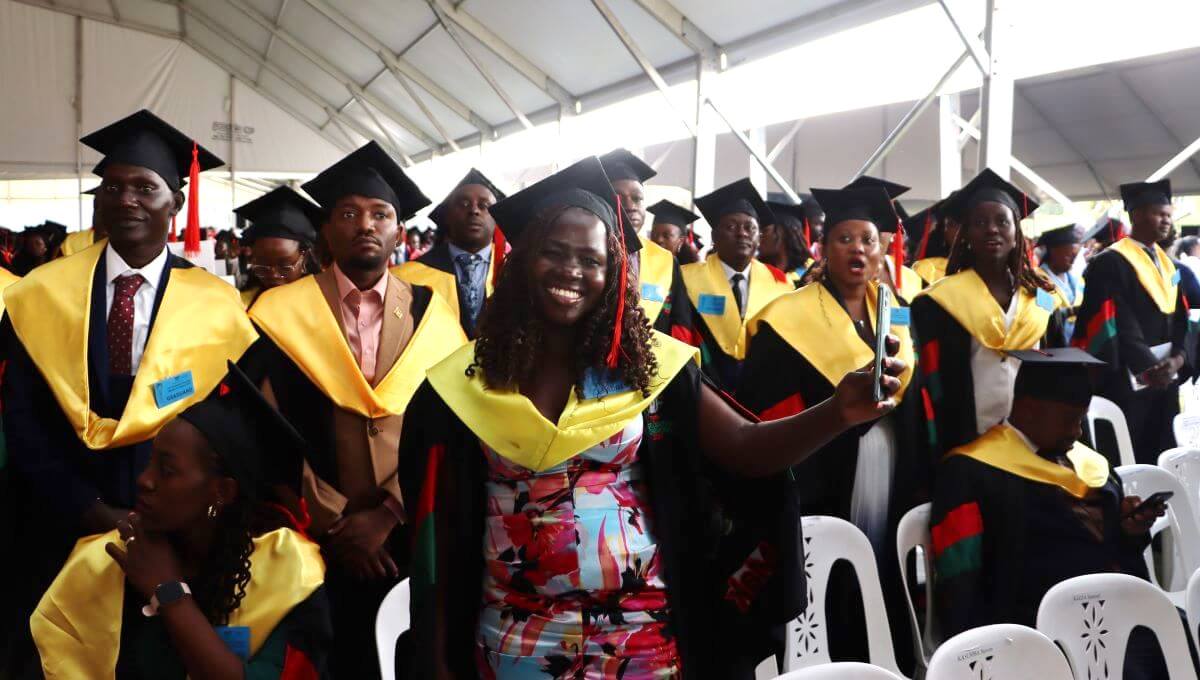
(963, 329)
(596, 515)
(800, 347)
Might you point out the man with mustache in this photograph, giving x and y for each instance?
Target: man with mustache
(462, 266)
(105, 347)
(730, 287)
(1026, 506)
(1134, 317)
(341, 354)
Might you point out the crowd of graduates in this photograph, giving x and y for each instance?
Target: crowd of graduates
(585, 438)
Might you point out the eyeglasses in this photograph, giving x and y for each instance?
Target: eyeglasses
(279, 270)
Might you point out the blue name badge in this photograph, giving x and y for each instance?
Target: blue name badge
(652, 292)
(1175, 278)
(599, 382)
(236, 639)
(712, 304)
(176, 388)
(1046, 301)
(900, 316)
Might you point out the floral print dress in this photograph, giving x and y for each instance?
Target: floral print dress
(573, 586)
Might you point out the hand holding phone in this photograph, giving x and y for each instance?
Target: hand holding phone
(883, 324)
(1153, 501)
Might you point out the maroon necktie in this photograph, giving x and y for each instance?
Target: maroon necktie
(120, 325)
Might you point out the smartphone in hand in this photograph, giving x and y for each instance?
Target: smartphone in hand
(1155, 499)
(883, 324)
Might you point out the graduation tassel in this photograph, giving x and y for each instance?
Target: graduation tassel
(191, 233)
(807, 236)
(925, 237)
(898, 252)
(171, 237)
(614, 349)
(498, 246)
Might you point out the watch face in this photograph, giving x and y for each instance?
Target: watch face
(169, 592)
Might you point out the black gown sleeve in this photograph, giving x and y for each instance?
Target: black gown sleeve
(958, 535)
(947, 388)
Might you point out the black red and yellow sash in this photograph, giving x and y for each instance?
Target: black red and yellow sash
(656, 267)
(444, 283)
(813, 323)
(77, 623)
(705, 282)
(299, 321)
(1161, 283)
(199, 327)
(966, 297)
(509, 423)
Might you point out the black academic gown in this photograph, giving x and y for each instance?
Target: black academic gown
(778, 381)
(675, 318)
(438, 257)
(948, 383)
(1114, 293)
(706, 525)
(54, 476)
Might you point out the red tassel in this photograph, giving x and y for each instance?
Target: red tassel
(925, 237)
(191, 234)
(898, 252)
(807, 236)
(171, 237)
(691, 236)
(499, 244)
(614, 348)
(1024, 205)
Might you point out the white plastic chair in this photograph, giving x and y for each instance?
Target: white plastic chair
(1103, 409)
(392, 620)
(828, 540)
(1187, 429)
(1004, 651)
(911, 533)
(1143, 480)
(842, 671)
(1184, 463)
(1193, 607)
(1091, 616)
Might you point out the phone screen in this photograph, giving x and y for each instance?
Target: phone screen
(882, 326)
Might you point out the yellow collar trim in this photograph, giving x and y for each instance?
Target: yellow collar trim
(932, 269)
(200, 325)
(966, 297)
(77, 623)
(1160, 286)
(298, 319)
(728, 330)
(656, 265)
(445, 284)
(1002, 448)
(509, 423)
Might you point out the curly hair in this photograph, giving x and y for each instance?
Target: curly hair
(1019, 264)
(511, 332)
(793, 242)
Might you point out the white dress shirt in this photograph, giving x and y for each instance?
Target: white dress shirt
(143, 300)
(743, 285)
(993, 376)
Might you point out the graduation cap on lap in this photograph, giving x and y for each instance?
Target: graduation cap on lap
(257, 446)
(147, 141)
(621, 164)
(1059, 374)
(368, 171)
(281, 213)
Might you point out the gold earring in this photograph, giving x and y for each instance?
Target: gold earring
(212, 510)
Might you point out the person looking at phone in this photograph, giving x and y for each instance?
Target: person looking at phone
(801, 345)
(1026, 506)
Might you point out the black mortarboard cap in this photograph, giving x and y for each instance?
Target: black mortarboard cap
(621, 164)
(987, 186)
(582, 185)
(1190, 230)
(147, 141)
(281, 213)
(669, 213)
(792, 213)
(54, 232)
(866, 203)
(738, 197)
(914, 225)
(1059, 236)
(368, 171)
(93, 191)
(1059, 374)
(256, 444)
(1138, 194)
(893, 190)
(812, 210)
(472, 177)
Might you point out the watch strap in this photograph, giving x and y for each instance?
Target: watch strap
(165, 594)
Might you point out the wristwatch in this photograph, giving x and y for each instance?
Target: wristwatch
(165, 594)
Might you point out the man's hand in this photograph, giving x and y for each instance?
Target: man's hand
(357, 541)
(1162, 375)
(1137, 524)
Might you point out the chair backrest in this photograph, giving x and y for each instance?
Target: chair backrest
(911, 533)
(390, 622)
(828, 540)
(1004, 651)
(1187, 429)
(1184, 463)
(1192, 606)
(1091, 617)
(1103, 409)
(842, 671)
(1143, 480)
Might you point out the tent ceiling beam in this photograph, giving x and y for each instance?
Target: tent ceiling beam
(753, 150)
(1137, 97)
(1100, 184)
(642, 60)
(452, 30)
(996, 96)
(1023, 170)
(395, 144)
(446, 10)
(112, 7)
(681, 27)
(271, 37)
(1178, 160)
(783, 141)
(101, 18)
(978, 54)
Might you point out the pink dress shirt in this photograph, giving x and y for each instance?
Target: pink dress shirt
(362, 315)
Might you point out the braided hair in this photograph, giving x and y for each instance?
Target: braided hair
(1019, 264)
(511, 333)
